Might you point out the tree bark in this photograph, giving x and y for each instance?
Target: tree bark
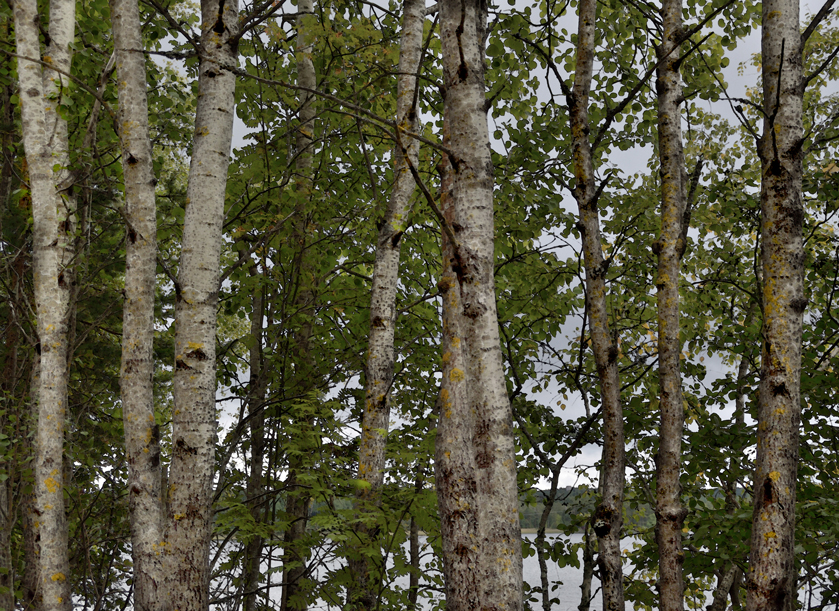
(381, 355)
(137, 371)
(45, 143)
(670, 514)
(466, 136)
(771, 581)
(189, 523)
(588, 570)
(608, 517)
(454, 461)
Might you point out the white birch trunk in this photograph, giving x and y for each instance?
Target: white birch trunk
(137, 369)
(670, 514)
(380, 354)
(189, 524)
(499, 569)
(45, 143)
(771, 581)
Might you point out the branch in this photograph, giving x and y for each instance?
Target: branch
(176, 25)
(821, 68)
(823, 12)
(246, 255)
(610, 117)
(373, 118)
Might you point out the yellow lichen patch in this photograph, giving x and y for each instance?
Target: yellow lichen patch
(178, 516)
(780, 411)
(194, 345)
(446, 357)
(58, 577)
(774, 476)
(456, 375)
(770, 535)
(51, 484)
(455, 342)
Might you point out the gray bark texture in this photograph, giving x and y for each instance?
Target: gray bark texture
(189, 523)
(608, 517)
(670, 514)
(380, 354)
(137, 370)
(45, 144)
(771, 579)
(454, 461)
(469, 189)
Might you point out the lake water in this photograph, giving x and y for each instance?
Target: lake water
(568, 592)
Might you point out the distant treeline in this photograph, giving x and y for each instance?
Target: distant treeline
(573, 507)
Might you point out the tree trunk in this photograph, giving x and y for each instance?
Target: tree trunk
(295, 554)
(608, 518)
(256, 416)
(588, 570)
(498, 545)
(380, 355)
(189, 524)
(137, 371)
(670, 514)
(45, 143)
(454, 461)
(772, 562)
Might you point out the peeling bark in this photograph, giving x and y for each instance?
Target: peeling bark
(137, 371)
(45, 143)
(608, 517)
(381, 355)
(670, 514)
(477, 393)
(771, 580)
(189, 523)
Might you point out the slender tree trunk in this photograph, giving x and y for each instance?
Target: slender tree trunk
(541, 543)
(498, 558)
(45, 143)
(256, 416)
(380, 355)
(729, 579)
(137, 371)
(771, 581)
(608, 518)
(588, 569)
(189, 524)
(670, 514)
(297, 496)
(7, 521)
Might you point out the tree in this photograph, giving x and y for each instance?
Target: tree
(380, 355)
(189, 524)
(608, 517)
(670, 246)
(771, 580)
(46, 145)
(493, 554)
(142, 433)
